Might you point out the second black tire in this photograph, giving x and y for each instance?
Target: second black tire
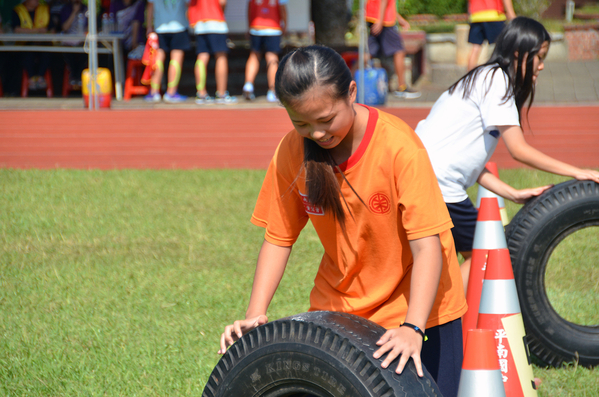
(316, 354)
(532, 235)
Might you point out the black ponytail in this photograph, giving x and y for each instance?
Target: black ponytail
(520, 36)
(299, 71)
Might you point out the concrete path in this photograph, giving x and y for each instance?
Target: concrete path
(560, 83)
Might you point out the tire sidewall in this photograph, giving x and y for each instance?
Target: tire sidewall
(545, 222)
(281, 363)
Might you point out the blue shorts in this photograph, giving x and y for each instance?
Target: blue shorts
(211, 43)
(174, 41)
(442, 355)
(387, 43)
(481, 31)
(266, 43)
(463, 215)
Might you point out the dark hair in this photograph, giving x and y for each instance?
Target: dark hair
(299, 71)
(520, 36)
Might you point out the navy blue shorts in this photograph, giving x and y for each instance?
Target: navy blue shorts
(387, 43)
(266, 43)
(442, 355)
(463, 215)
(481, 31)
(211, 43)
(174, 41)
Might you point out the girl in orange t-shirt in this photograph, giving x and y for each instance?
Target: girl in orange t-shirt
(364, 180)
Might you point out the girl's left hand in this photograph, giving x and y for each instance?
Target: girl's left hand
(522, 196)
(587, 175)
(402, 341)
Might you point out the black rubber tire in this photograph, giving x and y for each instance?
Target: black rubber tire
(532, 235)
(321, 354)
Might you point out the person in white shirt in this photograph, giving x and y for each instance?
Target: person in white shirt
(462, 130)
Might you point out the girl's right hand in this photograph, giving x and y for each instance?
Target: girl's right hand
(587, 175)
(239, 328)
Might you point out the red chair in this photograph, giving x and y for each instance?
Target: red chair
(66, 82)
(133, 86)
(350, 58)
(25, 84)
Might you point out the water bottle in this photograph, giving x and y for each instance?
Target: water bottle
(105, 23)
(111, 22)
(80, 23)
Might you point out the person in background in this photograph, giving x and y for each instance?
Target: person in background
(168, 18)
(33, 17)
(385, 40)
(267, 21)
(130, 16)
(487, 19)
(207, 17)
(73, 20)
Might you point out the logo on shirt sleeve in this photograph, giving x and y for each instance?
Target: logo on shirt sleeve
(379, 203)
(310, 208)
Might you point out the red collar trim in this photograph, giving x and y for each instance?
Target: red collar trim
(373, 116)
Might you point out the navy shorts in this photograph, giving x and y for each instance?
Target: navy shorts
(211, 43)
(463, 215)
(387, 43)
(442, 355)
(266, 43)
(174, 41)
(481, 31)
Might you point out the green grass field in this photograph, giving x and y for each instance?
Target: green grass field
(119, 283)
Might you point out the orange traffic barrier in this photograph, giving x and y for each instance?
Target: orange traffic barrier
(488, 234)
(480, 369)
(500, 312)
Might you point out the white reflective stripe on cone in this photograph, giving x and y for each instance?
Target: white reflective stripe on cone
(499, 297)
(489, 235)
(482, 192)
(481, 383)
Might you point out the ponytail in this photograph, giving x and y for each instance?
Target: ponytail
(299, 71)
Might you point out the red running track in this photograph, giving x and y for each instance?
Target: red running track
(228, 138)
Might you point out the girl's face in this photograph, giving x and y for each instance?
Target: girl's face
(319, 116)
(538, 62)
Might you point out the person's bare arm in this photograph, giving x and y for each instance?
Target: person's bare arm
(521, 151)
(405, 25)
(271, 265)
(497, 186)
(509, 9)
(149, 18)
(66, 25)
(426, 273)
(283, 18)
(135, 34)
(377, 27)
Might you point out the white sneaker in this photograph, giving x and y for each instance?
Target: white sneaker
(204, 100)
(248, 91)
(225, 99)
(271, 96)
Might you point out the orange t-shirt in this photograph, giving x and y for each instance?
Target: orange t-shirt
(265, 14)
(367, 270)
(205, 10)
(372, 10)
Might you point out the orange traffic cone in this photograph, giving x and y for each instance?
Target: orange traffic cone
(500, 312)
(489, 234)
(480, 369)
(482, 192)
